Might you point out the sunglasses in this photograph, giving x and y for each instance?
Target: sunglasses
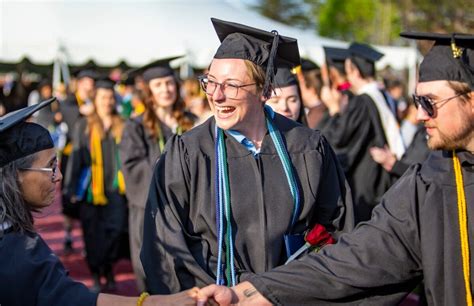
(428, 105)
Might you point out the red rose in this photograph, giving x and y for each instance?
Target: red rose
(318, 235)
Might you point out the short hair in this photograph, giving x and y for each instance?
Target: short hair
(256, 73)
(462, 89)
(13, 208)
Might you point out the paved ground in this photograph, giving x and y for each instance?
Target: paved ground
(50, 227)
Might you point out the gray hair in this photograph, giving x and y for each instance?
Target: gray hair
(13, 208)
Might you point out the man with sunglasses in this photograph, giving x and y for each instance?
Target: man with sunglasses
(421, 230)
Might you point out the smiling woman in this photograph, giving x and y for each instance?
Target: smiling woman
(235, 195)
(30, 274)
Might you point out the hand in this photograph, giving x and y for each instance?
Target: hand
(383, 156)
(188, 297)
(220, 294)
(332, 98)
(240, 295)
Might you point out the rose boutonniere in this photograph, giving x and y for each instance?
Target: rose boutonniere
(315, 239)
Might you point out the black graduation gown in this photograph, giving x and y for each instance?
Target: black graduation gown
(180, 245)
(416, 152)
(139, 152)
(31, 275)
(70, 112)
(413, 235)
(351, 134)
(102, 225)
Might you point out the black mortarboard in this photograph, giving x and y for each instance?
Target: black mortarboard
(335, 55)
(308, 65)
(451, 58)
(87, 74)
(157, 69)
(19, 138)
(104, 82)
(364, 51)
(285, 77)
(265, 49)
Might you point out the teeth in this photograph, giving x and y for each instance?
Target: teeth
(225, 108)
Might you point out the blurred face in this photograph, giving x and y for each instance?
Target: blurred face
(86, 85)
(46, 92)
(104, 101)
(39, 186)
(164, 91)
(452, 124)
(241, 112)
(286, 101)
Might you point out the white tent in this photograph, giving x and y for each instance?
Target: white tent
(138, 32)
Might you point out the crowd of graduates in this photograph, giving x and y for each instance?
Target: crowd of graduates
(204, 185)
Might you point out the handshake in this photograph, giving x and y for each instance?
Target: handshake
(242, 294)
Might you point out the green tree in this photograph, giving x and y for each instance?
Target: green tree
(361, 20)
(290, 12)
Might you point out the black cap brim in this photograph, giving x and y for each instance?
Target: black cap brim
(13, 118)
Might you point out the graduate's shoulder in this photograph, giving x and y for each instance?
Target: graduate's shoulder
(298, 137)
(198, 139)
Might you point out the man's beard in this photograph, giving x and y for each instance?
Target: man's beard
(458, 139)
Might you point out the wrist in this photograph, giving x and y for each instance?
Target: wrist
(141, 299)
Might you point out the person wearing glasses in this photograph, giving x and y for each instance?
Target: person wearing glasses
(422, 228)
(30, 273)
(235, 195)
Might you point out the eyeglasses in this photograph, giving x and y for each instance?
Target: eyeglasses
(428, 105)
(54, 170)
(230, 90)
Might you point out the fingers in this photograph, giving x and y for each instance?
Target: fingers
(220, 294)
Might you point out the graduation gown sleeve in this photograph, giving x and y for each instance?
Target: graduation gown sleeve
(376, 264)
(138, 156)
(30, 274)
(169, 264)
(79, 158)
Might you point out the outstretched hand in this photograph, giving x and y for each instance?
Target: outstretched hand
(242, 294)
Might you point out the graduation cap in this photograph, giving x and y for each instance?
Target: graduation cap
(19, 138)
(87, 74)
(364, 57)
(265, 49)
(336, 57)
(105, 82)
(451, 58)
(285, 77)
(157, 69)
(364, 51)
(308, 65)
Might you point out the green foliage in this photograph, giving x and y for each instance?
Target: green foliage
(290, 12)
(372, 21)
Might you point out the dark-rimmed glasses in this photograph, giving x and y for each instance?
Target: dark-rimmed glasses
(428, 105)
(230, 90)
(53, 169)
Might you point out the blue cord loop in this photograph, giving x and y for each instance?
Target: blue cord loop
(225, 257)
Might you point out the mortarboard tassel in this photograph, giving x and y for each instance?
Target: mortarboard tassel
(270, 73)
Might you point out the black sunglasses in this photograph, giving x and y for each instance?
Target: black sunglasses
(428, 105)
